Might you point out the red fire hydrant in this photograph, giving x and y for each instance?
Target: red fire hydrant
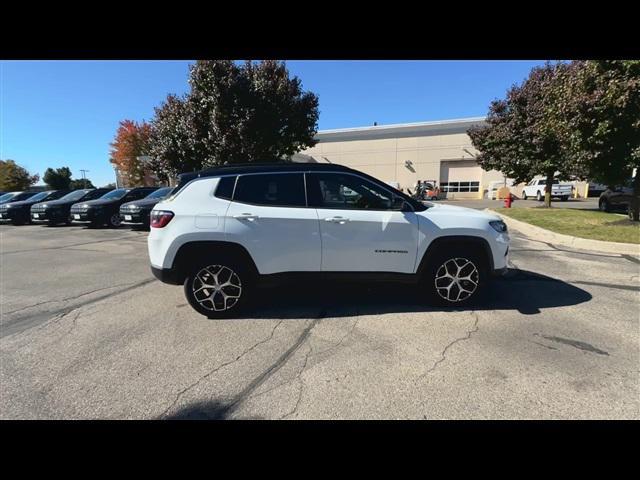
(507, 201)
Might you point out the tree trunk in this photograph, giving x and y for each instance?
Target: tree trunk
(547, 188)
(634, 205)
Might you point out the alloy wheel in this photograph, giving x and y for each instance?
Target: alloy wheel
(216, 288)
(457, 279)
(115, 220)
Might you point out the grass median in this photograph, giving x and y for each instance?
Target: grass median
(591, 224)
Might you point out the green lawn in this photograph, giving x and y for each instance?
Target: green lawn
(591, 224)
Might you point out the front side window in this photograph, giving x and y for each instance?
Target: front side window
(94, 194)
(137, 194)
(75, 195)
(40, 196)
(115, 194)
(278, 190)
(160, 193)
(351, 192)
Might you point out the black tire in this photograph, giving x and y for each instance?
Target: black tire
(524, 195)
(229, 269)
(539, 197)
(438, 288)
(603, 205)
(114, 221)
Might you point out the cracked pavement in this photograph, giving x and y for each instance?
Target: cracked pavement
(87, 333)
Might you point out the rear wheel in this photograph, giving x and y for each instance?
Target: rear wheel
(219, 287)
(456, 277)
(524, 195)
(539, 196)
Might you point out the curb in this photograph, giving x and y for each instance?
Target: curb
(567, 240)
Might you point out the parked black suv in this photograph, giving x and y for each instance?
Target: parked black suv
(616, 198)
(138, 211)
(105, 210)
(15, 196)
(58, 211)
(19, 212)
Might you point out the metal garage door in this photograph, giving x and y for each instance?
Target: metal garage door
(460, 176)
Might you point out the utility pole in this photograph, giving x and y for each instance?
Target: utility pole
(84, 177)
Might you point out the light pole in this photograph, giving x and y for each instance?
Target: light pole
(84, 177)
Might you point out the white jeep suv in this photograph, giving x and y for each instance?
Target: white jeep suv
(225, 230)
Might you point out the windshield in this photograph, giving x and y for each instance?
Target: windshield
(76, 195)
(40, 196)
(163, 192)
(6, 196)
(115, 194)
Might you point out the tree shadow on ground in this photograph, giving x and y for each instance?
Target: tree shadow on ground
(520, 290)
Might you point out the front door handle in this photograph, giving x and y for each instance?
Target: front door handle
(340, 220)
(246, 216)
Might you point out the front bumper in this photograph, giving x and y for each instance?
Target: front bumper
(50, 216)
(139, 217)
(13, 214)
(87, 216)
(167, 275)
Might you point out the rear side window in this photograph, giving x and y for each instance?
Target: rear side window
(225, 187)
(282, 190)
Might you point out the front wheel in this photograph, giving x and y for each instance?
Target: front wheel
(456, 277)
(219, 288)
(604, 205)
(115, 221)
(524, 195)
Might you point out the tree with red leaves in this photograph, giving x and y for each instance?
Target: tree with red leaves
(131, 142)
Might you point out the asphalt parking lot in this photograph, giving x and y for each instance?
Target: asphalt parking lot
(86, 332)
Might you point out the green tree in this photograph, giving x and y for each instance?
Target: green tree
(80, 184)
(599, 105)
(58, 179)
(172, 148)
(14, 177)
(522, 137)
(253, 112)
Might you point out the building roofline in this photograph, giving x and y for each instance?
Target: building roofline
(399, 129)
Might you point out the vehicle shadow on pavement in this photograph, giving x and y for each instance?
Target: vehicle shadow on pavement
(211, 410)
(521, 290)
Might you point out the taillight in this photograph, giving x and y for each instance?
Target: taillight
(160, 218)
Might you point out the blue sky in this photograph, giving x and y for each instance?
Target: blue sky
(65, 113)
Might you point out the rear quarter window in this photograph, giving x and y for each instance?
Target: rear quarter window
(225, 187)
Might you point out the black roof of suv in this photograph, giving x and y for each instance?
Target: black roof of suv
(244, 168)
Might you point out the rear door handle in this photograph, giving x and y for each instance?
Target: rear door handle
(246, 216)
(340, 220)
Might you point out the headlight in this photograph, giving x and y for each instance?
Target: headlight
(498, 226)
